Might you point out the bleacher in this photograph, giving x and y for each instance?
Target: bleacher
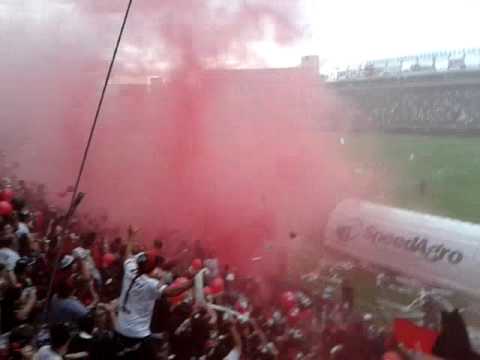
(431, 94)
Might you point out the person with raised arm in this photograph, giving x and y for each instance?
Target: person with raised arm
(142, 286)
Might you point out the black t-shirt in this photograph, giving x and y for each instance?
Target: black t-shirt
(100, 345)
(161, 315)
(180, 343)
(103, 346)
(80, 343)
(8, 307)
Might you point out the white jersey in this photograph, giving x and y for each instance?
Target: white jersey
(9, 258)
(135, 315)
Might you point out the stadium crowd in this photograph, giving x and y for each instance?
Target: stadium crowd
(111, 298)
(452, 108)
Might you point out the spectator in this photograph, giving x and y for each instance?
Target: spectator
(21, 343)
(8, 230)
(211, 263)
(29, 292)
(433, 109)
(22, 226)
(64, 306)
(84, 255)
(67, 269)
(453, 341)
(230, 325)
(18, 300)
(59, 341)
(81, 345)
(236, 351)
(103, 337)
(140, 290)
(8, 256)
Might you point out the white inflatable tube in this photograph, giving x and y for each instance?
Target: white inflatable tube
(439, 251)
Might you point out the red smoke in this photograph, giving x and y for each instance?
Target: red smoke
(234, 158)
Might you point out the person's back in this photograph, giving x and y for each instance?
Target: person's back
(66, 310)
(137, 301)
(64, 307)
(136, 304)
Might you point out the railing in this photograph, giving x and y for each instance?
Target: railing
(456, 60)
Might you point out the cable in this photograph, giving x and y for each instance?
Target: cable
(75, 201)
(100, 103)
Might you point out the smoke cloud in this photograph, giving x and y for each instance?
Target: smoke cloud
(235, 158)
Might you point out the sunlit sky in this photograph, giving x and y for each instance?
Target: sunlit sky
(346, 32)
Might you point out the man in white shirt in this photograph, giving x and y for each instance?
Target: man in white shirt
(141, 288)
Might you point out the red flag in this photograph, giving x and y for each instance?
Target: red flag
(414, 337)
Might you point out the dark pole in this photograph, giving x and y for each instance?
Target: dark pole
(100, 102)
(76, 196)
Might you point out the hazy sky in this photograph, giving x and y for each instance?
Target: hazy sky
(350, 31)
(341, 32)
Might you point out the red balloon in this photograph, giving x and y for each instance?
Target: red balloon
(217, 286)
(6, 208)
(7, 194)
(293, 316)
(288, 300)
(197, 264)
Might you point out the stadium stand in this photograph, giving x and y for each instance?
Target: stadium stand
(434, 102)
